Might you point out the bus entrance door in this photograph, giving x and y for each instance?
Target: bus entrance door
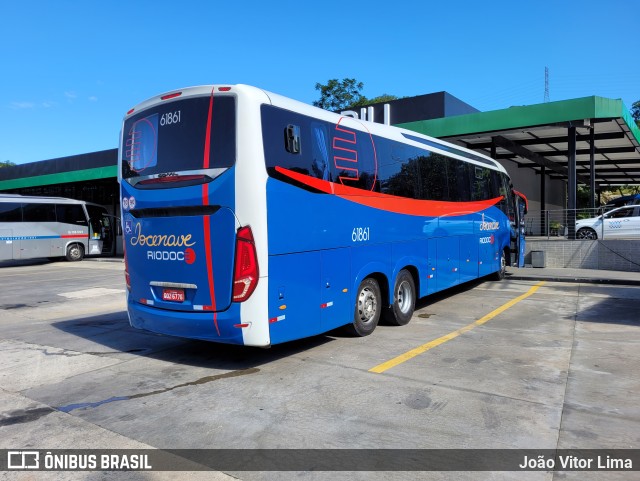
(519, 234)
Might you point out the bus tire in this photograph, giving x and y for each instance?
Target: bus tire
(403, 301)
(75, 252)
(367, 309)
(499, 275)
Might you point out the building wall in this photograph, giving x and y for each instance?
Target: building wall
(615, 255)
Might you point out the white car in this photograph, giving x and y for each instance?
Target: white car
(622, 222)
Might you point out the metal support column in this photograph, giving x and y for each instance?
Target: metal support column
(592, 168)
(543, 199)
(571, 184)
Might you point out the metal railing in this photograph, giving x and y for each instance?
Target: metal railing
(557, 223)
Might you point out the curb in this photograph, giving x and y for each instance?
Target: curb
(582, 280)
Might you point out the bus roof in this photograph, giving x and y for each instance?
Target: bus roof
(41, 199)
(409, 137)
(388, 131)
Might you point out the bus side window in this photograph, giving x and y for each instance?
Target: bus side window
(39, 213)
(70, 214)
(286, 144)
(458, 174)
(320, 152)
(10, 212)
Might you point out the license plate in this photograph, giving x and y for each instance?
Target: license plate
(173, 295)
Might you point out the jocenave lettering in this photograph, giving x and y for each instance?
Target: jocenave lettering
(160, 240)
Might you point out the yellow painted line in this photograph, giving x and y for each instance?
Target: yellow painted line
(441, 340)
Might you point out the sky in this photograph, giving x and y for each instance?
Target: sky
(70, 70)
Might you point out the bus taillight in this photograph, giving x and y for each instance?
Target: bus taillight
(245, 276)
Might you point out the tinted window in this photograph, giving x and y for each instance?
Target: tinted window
(339, 153)
(401, 169)
(10, 212)
(336, 153)
(421, 174)
(628, 212)
(171, 137)
(70, 214)
(39, 212)
(313, 155)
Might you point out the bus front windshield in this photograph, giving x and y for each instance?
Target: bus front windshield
(170, 138)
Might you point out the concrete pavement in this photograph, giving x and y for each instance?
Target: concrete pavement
(566, 274)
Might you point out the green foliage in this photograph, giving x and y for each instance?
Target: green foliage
(6, 163)
(618, 191)
(345, 94)
(635, 112)
(365, 101)
(339, 95)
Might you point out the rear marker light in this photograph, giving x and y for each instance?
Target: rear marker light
(198, 307)
(240, 326)
(130, 112)
(224, 89)
(171, 96)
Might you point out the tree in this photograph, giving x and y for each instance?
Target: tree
(6, 163)
(339, 95)
(635, 112)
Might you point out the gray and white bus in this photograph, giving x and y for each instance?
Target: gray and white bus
(32, 227)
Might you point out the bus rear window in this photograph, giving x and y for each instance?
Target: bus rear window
(170, 137)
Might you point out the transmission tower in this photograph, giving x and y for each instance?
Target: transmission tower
(546, 84)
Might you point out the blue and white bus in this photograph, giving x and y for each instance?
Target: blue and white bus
(251, 218)
(33, 227)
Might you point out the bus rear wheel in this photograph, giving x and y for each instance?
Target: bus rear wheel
(75, 252)
(403, 302)
(367, 309)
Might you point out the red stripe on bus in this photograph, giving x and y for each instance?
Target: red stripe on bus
(392, 203)
(207, 138)
(209, 259)
(75, 236)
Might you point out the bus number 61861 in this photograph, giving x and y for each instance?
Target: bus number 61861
(170, 118)
(360, 234)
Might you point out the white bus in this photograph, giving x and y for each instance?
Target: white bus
(32, 227)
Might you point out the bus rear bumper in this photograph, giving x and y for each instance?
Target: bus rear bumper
(206, 326)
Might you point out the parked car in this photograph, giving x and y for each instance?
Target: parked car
(617, 223)
(633, 199)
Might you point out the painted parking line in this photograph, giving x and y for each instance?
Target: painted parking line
(385, 366)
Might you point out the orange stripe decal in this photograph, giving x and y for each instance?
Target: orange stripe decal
(391, 203)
